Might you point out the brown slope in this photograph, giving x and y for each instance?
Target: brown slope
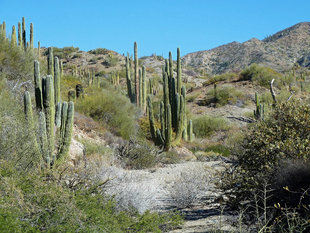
(279, 51)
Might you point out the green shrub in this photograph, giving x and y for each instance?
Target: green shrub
(259, 74)
(15, 63)
(219, 148)
(44, 202)
(219, 78)
(283, 136)
(102, 51)
(223, 95)
(107, 105)
(137, 155)
(205, 126)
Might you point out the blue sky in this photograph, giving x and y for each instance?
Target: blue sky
(158, 26)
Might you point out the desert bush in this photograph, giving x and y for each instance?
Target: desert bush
(102, 51)
(283, 136)
(14, 134)
(222, 95)
(108, 106)
(63, 53)
(15, 63)
(219, 149)
(137, 155)
(219, 78)
(189, 188)
(259, 74)
(205, 126)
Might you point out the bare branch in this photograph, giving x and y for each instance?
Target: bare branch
(272, 91)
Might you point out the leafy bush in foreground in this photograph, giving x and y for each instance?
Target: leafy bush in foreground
(266, 159)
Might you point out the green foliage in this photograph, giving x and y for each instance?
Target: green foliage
(109, 106)
(223, 95)
(259, 75)
(137, 155)
(219, 148)
(36, 202)
(282, 137)
(15, 63)
(64, 52)
(205, 126)
(102, 51)
(220, 78)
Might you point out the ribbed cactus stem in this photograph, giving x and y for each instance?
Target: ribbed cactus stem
(180, 125)
(19, 35)
(128, 80)
(64, 113)
(29, 119)
(151, 119)
(184, 133)
(190, 131)
(162, 118)
(50, 62)
(38, 86)
(179, 71)
(43, 139)
(39, 50)
(140, 88)
(136, 74)
(143, 88)
(49, 107)
(58, 115)
(13, 37)
(4, 29)
(170, 65)
(168, 131)
(57, 80)
(24, 33)
(67, 135)
(31, 36)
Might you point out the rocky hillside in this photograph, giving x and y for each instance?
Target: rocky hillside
(279, 51)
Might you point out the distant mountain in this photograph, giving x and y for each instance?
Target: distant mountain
(279, 51)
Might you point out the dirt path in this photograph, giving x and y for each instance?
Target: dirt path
(188, 186)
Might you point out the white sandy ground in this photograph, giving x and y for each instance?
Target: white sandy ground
(175, 185)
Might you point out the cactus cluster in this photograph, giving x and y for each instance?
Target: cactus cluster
(173, 119)
(138, 93)
(259, 112)
(21, 39)
(55, 117)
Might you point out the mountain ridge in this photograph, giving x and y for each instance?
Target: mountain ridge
(279, 51)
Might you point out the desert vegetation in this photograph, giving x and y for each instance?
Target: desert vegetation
(101, 142)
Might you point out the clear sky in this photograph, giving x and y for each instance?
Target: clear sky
(158, 26)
